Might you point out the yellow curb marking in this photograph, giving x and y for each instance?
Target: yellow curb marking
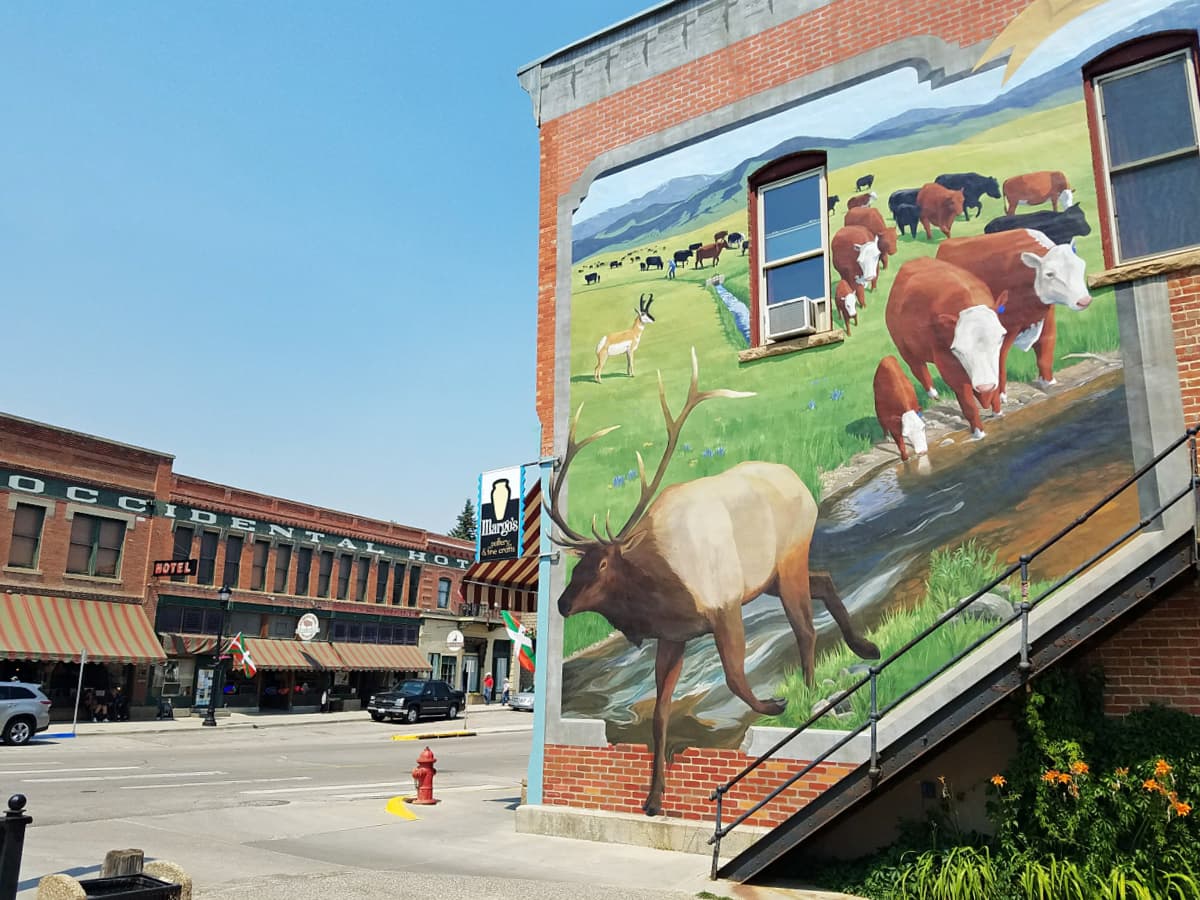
(432, 735)
(397, 807)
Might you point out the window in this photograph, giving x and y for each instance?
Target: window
(26, 536)
(414, 585)
(303, 569)
(443, 593)
(233, 560)
(169, 618)
(258, 566)
(345, 564)
(283, 626)
(324, 571)
(95, 546)
(790, 286)
(364, 574)
(183, 547)
(208, 557)
(381, 581)
(283, 560)
(1143, 115)
(398, 583)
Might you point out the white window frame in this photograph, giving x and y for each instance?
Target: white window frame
(1098, 84)
(823, 317)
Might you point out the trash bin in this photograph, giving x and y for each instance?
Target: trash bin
(131, 887)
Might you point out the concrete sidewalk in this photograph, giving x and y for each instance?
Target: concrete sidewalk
(491, 718)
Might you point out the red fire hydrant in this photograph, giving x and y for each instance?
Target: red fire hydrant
(423, 778)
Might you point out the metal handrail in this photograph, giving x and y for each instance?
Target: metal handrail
(1023, 665)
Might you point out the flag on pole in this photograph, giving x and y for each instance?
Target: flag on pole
(241, 656)
(521, 641)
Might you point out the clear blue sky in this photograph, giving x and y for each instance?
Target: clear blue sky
(293, 243)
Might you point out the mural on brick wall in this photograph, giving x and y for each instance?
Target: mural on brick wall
(745, 532)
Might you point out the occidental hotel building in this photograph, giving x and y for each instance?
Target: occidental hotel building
(82, 520)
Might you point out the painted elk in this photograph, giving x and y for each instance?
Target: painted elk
(625, 341)
(686, 561)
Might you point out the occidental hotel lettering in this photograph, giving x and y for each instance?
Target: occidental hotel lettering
(105, 497)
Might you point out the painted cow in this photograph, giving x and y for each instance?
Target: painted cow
(846, 301)
(861, 200)
(1033, 189)
(1060, 227)
(864, 183)
(682, 256)
(855, 253)
(872, 220)
(591, 278)
(831, 202)
(939, 207)
(654, 262)
(907, 215)
(1037, 275)
(709, 251)
(942, 314)
(897, 408)
(974, 186)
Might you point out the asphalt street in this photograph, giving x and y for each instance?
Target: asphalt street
(303, 811)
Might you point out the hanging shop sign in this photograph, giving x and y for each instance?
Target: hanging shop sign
(501, 514)
(308, 627)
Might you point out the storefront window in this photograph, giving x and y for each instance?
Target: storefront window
(95, 546)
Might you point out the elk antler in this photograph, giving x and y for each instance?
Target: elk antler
(674, 427)
(570, 537)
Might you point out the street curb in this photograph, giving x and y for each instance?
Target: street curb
(431, 735)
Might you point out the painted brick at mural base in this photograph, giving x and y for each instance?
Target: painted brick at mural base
(614, 779)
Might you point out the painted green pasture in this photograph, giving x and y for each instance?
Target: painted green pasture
(813, 410)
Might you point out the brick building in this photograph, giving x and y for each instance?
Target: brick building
(82, 518)
(797, 187)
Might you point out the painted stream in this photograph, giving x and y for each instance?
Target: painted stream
(875, 540)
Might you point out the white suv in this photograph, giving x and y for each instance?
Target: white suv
(24, 711)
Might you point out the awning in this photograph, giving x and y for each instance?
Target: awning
(511, 583)
(382, 658)
(58, 628)
(187, 644)
(292, 656)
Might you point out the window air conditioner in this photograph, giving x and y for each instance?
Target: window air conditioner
(791, 318)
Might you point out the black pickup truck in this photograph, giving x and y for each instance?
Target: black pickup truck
(411, 700)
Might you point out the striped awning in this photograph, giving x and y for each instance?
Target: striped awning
(58, 628)
(382, 658)
(187, 644)
(291, 656)
(500, 582)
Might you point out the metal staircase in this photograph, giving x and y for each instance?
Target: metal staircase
(1022, 656)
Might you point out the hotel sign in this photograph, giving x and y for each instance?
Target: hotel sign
(41, 486)
(176, 567)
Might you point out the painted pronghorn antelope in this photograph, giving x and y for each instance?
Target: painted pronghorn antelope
(625, 341)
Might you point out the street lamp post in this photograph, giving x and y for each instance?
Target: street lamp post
(210, 717)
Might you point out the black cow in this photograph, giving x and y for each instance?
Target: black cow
(682, 256)
(905, 197)
(654, 262)
(695, 247)
(864, 183)
(614, 265)
(973, 185)
(643, 265)
(907, 215)
(591, 278)
(832, 202)
(745, 247)
(1060, 227)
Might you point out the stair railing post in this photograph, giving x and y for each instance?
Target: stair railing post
(1024, 665)
(716, 841)
(873, 771)
(12, 844)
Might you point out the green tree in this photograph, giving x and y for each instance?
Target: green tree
(465, 526)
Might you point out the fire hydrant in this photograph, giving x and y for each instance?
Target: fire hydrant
(422, 777)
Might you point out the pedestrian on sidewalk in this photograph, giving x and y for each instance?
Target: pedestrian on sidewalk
(489, 684)
(507, 691)
(325, 700)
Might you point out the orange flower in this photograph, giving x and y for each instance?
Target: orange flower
(1079, 767)
(998, 780)
(1151, 785)
(1064, 778)
(1181, 808)
(1051, 776)
(1161, 768)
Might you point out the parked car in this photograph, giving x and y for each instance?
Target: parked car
(410, 700)
(24, 711)
(522, 702)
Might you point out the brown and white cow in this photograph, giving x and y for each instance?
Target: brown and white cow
(1038, 276)
(938, 206)
(872, 220)
(942, 314)
(855, 253)
(1034, 188)
(897, 408)
(847, 304)
(861, 200)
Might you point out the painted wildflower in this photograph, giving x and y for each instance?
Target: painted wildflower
(1151, 785)
(618, 481)
(812, 404)
(837, 395)
(1161, 768)
(1051, 776)
(1079, 767)
(720, 451)
(999, 781)
(707, 454)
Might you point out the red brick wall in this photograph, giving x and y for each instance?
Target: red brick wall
(800, 46)
(615, 778)
(1155, 658)
(1184, 291)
